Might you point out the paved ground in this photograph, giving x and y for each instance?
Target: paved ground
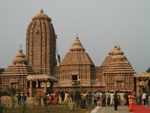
(123, 109)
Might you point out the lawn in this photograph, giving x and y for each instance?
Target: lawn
(47, 109)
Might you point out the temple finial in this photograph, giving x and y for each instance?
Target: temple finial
(20, 47)
(77, 35)
(117, 45)
(41, 11)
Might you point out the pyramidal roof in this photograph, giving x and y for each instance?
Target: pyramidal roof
(77, 55)
(116, 61)
(20, 58)
(19, 66)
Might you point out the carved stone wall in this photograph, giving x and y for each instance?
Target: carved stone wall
(41, 44)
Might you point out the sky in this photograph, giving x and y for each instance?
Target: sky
(100, 25)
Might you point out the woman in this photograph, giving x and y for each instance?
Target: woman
(131, 98)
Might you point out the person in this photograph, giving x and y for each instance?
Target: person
(19, 99)
(144, 98)
(89, 98)
(83, 99)
(98, 108)
(149, 100)
(60, 98)
(77, 98)
(111, 99)
(66, 98)
(131, 98)
(55, 98)
(1, 107)
(108, 100)
(103, 99)
(23, 99)
(70, 102)
(62, 94)
(116, 101)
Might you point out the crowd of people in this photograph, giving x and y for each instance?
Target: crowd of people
(143, 98)
(85, 98)
(21, 99)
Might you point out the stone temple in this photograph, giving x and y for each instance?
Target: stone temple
(41, 44)
(78, 70)
(116, 71)
(15, 75)
(38, 69)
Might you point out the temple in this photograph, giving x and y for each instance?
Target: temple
(41, 44)
(76, 68)
(143, 83)
(14, 76)
(37, 72)
(34, 72)
(116, 72)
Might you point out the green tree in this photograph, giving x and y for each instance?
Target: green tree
(148, 70)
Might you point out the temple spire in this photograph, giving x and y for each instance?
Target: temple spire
(77, 45)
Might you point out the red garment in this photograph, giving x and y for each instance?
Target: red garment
(131, 102)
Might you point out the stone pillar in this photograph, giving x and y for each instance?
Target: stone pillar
(45, 86)
(37, 84)
(30, 88)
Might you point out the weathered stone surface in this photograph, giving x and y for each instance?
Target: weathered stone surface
(41, 44)
(76, 63)
(116, 72)
(15, 75)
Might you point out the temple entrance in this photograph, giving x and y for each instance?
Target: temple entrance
(75, 80)
(39, 85)
(74, 77)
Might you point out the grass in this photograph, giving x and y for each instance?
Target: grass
(47, 109)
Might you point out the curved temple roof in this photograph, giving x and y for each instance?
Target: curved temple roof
(19, 66)
(116, 61)
(77, 55)
(41, 15)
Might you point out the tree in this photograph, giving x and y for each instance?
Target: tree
(1, 70)
(148, 70)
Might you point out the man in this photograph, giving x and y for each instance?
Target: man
(19, 99)
(116, 101)
(23, 99)
(1, 106)
(62, 94)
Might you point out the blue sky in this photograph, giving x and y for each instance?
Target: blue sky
(100, 24)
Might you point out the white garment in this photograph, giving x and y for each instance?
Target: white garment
(66, 97)
(111, 99)
(144, 96)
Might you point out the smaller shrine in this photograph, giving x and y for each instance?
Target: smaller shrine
(20, 77)
(116, 72)
(14, 76)
(143, 83)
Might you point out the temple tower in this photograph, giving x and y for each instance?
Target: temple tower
(116, 71)
(77, 68)
(41, 44)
